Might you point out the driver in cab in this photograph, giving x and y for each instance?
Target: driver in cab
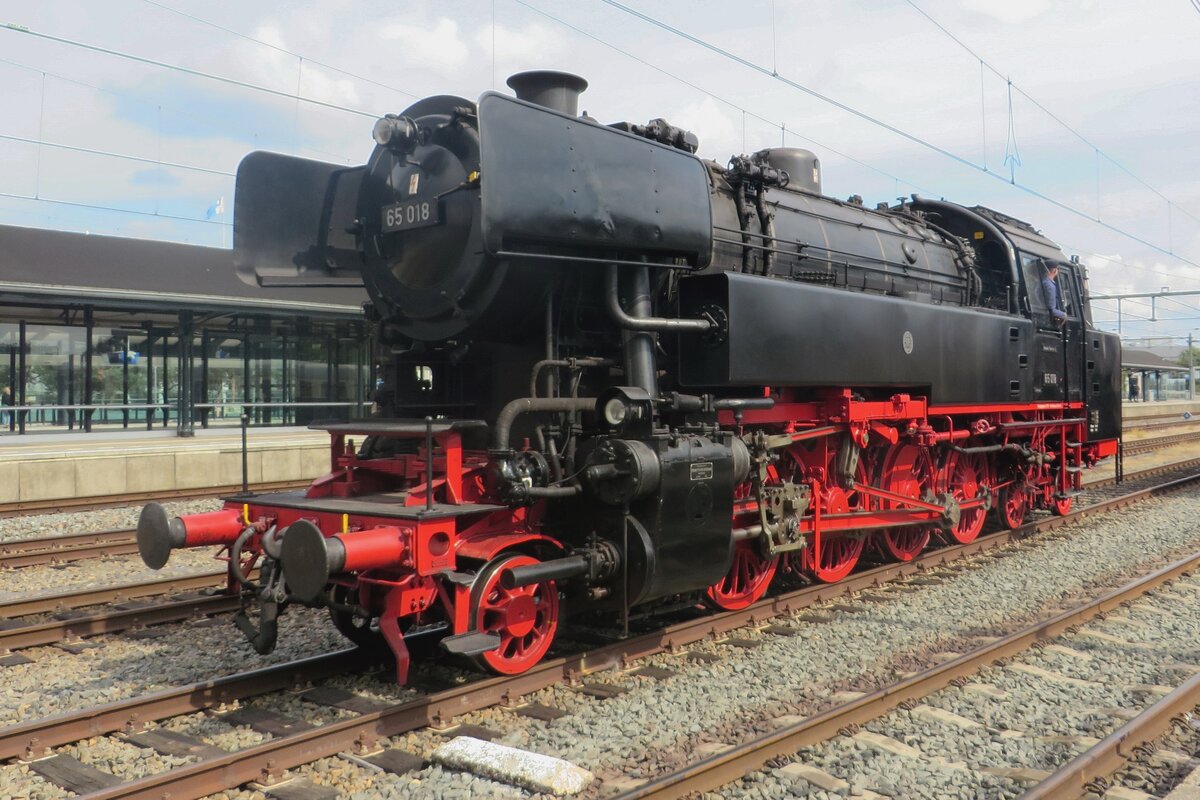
(1050, 293)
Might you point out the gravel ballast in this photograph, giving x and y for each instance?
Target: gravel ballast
(861, 646)
(857, 644)
(35, 526)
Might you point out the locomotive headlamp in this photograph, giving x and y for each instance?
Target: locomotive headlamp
(615, 412)
(398, 134)
(627, 410)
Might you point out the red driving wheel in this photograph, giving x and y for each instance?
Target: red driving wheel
(908, 471)
(525, 618)
(839, 553)
(965, 476)
(747, 579)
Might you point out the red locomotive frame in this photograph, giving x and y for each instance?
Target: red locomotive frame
(921, 470)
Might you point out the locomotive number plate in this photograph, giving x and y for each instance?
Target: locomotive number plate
(411, 214)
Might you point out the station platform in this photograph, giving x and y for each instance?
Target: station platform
(52, 466)
(1158, 408)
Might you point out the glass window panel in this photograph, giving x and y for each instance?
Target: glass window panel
(10, 342)
(55, 375)
(226, 365)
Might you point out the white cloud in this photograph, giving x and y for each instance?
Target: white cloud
(535, 41)
(440, 43)
(1011, 12)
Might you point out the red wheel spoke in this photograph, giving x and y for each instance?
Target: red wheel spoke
(747, 580)
(525, 618)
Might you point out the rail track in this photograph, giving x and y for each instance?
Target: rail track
(71, 625)
(29, 507)
(62, 549)
(1075, 779)
(124, 593)
(38, 551)
(1139, 446)
(361, 733)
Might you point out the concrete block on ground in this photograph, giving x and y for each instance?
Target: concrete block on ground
(150, 473)
(944, 717)
(1020, 774)
(47, 480)
(1078, 655)
(97, 477)
(986, 690)
(887, 744)
(1125, 793)
(842, 698)
(818, 778)
(1050, 675)
(1188, 789)
(531, 771)
(1100, 636)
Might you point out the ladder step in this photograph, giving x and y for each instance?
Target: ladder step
(471, 644)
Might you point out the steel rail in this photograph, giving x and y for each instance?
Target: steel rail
(49, 603)
(28, 507)
(72, 547)
(1139, 446)
(718, 770)
(1149, 472)
(1077, 778)
(113, 621)
(266, 761)
(34, 739)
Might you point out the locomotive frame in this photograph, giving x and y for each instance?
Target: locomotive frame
(617, 377)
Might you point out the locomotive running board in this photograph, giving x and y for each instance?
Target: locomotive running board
(471, 644)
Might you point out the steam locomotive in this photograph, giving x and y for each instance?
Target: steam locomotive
(616, 377)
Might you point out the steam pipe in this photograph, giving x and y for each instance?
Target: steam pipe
(546, 492)
(646, 323)
(524, 405)
(766, 223)
(637, 343)
(558, 569)
(563, 362)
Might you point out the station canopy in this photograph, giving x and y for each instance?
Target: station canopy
(39, 266)
(1145, 361)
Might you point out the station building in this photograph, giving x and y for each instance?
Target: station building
(101, 333)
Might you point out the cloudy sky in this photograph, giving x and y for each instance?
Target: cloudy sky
(1102, 121)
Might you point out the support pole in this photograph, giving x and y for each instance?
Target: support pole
(245, 453)
(1191, 370)
(185, 416)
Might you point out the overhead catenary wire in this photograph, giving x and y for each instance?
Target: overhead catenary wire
(752, 114)
(1100, 152)
(900, 132)
(283, 50)
(174, 110)
(715, 96)
(115, 209)
(187, 71)
(111, 154)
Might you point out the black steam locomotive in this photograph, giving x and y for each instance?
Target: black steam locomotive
(616, 376)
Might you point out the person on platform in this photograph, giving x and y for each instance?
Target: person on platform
(1050, 293)
(6, 400)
